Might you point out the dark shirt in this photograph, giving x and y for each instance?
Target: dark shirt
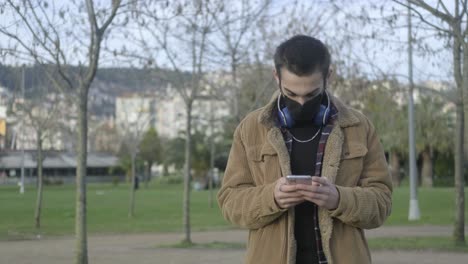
(303, 158)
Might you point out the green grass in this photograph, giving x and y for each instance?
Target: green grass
(436, 206)
(159, 209)
(416, 243)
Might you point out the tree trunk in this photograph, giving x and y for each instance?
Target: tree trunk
(461, 80)
(395, 168)
(211, 174)
(236, 100)
(131, 210)
(212, 154)
(187, 177)
(80, 221)
(426, 170)
(165, 169)
(148, 174)
(37, 214)
(459, 227)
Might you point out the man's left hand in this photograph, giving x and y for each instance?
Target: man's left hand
(321, 192)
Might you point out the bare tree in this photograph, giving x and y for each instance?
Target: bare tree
(134, 122)
(55, 34)
(455, 28)
(232, 43)
(180, 33)
(39, 111)
(42, 113)
(434, 21)
(196, 22)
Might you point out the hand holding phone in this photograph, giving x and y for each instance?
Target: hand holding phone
(286, 194)
(321, 191)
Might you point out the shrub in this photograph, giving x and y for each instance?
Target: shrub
(176, 178)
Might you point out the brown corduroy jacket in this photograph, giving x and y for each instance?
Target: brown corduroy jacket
(353, 160)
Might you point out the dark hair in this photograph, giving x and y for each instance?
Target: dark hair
(302, 55)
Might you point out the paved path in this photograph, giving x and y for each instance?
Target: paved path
(141, 249)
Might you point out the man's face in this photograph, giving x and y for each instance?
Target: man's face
(301, 88)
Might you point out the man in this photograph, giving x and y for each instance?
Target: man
(306, 131)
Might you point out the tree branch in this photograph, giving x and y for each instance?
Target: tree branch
(115, 6)
(440, 2)
(446, 17)
(423, 18)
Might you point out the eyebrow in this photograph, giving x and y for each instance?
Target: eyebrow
(311, 93)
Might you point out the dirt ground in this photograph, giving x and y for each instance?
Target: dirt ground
(142, 249)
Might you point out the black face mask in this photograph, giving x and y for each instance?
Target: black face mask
(305, 112)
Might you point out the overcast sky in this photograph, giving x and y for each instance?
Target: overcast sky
(386, 53)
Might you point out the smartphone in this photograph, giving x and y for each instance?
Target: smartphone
(299, 179)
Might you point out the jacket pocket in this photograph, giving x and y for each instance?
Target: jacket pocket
(263, 163)
(268, 244)
(351, 164)
(348, 245)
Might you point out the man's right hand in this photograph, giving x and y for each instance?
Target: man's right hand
(286, 195)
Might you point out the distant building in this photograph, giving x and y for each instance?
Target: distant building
(58, 166)
(4, 99)
(103, 136)
(58, 135)
(3, 126)
(4, 96)
(170, 119)
(167, 113)
(135, 113)
(207, 109)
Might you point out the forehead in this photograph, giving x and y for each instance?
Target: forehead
(306, 83)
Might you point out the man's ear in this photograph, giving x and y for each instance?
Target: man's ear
(330, 75)
(275, 74)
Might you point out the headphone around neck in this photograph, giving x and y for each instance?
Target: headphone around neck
(320, 119)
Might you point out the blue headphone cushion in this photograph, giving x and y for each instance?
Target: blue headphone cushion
(318, 119)
(289, 122)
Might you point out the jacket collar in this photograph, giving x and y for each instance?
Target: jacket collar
(346, 117)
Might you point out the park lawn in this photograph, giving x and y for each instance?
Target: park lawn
(416, 243)
(159, 209)
(436, 205)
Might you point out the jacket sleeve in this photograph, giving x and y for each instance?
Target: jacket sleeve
(242, 202)
(369, 203)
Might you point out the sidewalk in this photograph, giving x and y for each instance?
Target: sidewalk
(141, 248)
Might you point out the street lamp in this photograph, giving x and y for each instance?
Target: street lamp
(414, 207)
